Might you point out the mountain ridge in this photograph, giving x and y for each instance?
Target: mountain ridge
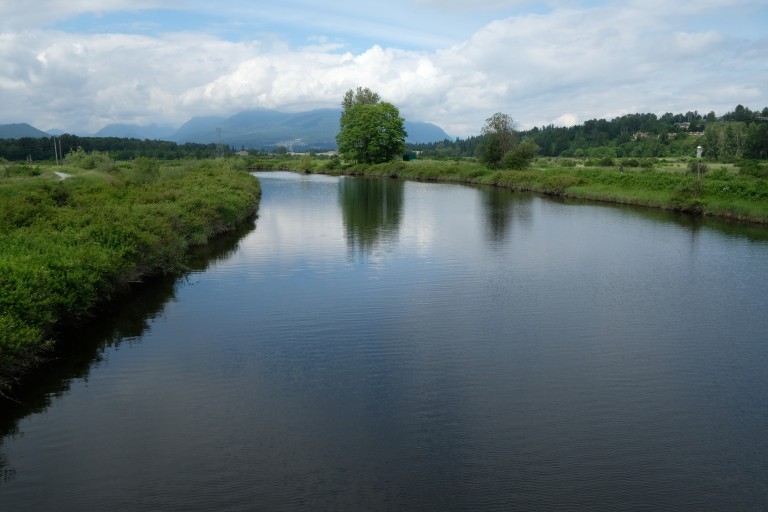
(250, 129)
(19, 130)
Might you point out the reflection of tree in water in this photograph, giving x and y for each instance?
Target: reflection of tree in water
(7, 472)
(80, 347)
(372, 209)
(502, 206)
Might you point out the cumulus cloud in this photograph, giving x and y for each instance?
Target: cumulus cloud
(563, 66)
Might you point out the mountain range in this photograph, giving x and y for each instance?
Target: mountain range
(250, 129)
(19, 130)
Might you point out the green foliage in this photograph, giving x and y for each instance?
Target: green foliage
(753, 168)
(605, 161)
(521, 156)
(19, 170)
(630, 162)
(499, 139)
(696, 166)
(741, 134)
(145, 169)
(370, 131)
(305, 163)
(93, 160)
(333, 164)
(118, 148)
(359, 96)
(67, 245)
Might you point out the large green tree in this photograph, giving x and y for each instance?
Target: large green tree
(370, 130)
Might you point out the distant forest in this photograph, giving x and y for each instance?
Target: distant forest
(37, 149)
(741, 134)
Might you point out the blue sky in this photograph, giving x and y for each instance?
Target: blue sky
(79, 65)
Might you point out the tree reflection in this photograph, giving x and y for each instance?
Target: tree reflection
(372, 210)
(502, 207)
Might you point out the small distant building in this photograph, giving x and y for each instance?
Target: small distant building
(242, 153)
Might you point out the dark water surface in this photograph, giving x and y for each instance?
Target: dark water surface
(381, 345)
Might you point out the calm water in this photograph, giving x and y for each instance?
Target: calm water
(381, 345)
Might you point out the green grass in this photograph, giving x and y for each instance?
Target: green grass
(722, 191)
(67, 245)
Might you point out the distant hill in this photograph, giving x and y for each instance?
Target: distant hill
(20, 130)
(134, 131)
(261, 128)
(252, 129)
(424, 133)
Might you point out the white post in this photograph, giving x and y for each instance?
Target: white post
(698, 162)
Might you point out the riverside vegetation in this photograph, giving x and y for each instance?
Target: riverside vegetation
(734, 191)
(70, 241)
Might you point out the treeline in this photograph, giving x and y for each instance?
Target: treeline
(37, 149)
(741, 134)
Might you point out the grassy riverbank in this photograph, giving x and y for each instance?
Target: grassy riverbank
(722, 191)
(68, 244)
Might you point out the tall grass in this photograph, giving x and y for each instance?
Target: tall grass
(66, 245)
(721, 192)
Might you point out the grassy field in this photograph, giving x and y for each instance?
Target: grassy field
(723, 190)
(67, 245)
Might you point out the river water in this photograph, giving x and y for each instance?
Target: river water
(385, 345)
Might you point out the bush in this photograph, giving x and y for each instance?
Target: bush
(695, 166)
(94, 160)
(753, 168)
(521, 156)
(145, 169)
(333, 163)
(630, 162)
(21, 170)
(605, 161)
(305, 163)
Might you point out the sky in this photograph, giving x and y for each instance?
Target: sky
(79, 65)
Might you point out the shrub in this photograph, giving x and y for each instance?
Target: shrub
(305, 163)
(521, 156)
(753, 168)
(630, 162)
(333, 163)
(94, 160)
(695, 166)
(20, 170)
(145, 169)
(605, 161)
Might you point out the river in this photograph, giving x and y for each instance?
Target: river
(374, 344)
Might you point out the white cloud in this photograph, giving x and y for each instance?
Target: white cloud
(565, 66)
